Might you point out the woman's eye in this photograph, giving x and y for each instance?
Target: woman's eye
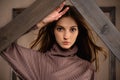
(73, 29)
(59, 29)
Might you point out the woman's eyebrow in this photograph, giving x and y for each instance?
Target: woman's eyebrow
(74, 26)
(63, 27)
(59, 26)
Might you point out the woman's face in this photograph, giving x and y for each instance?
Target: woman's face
(66, 32)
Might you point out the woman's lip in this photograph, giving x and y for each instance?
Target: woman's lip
(65, 43)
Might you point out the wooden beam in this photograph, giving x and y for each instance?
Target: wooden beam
(100, 24)
(23, 22)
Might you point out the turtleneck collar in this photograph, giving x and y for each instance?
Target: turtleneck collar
(58, 51)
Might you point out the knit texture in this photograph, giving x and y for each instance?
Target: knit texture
(56, 64)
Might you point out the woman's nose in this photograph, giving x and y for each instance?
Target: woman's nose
(66, 35)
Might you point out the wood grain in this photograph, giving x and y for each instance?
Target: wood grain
(100, 24)
(23, 22)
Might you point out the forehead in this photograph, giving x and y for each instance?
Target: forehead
(67, 22)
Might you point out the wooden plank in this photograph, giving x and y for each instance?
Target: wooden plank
(100, 24)
(23, 22)
(112, 58)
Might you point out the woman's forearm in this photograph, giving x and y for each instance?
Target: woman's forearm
(41, 24)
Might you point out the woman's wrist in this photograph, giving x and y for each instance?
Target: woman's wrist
(41, 24)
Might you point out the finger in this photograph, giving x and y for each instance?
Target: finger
(64, 11)
(60, 7)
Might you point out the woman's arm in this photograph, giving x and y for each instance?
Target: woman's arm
(29, 37)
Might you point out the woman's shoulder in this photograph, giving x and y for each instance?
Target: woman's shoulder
(85, 64)
(85, 68)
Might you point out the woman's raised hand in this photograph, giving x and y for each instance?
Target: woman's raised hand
(55, 15)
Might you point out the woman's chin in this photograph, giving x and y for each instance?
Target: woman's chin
(66, 46)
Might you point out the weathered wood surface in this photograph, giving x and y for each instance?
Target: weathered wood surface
(100, 24)
(37, 11)
(23, 22)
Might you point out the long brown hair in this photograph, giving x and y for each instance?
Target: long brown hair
(87, 49)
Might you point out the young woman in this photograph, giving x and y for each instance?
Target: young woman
(66, 49)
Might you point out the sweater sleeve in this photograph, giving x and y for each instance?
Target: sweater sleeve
(21, 60)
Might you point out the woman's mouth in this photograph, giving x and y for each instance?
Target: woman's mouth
(66, 43)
